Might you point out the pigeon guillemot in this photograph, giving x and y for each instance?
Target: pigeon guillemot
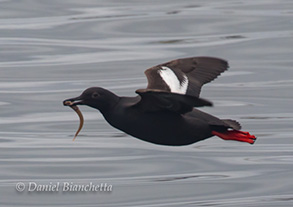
(164, 112)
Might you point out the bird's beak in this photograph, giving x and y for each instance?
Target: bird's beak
(73, 102)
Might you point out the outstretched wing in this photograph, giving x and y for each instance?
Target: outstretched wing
(185, 76)
(180, 78)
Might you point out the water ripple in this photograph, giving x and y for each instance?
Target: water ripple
(57, 49)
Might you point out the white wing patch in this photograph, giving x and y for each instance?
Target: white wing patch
(172, 81)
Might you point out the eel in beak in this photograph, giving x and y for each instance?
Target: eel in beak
(72, 104)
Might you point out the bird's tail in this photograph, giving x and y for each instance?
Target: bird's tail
(236, 135)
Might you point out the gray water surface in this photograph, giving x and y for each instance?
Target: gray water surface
(52, 50)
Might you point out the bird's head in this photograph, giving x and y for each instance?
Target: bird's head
(96, 97)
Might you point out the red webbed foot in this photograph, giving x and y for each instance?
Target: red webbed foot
(236, 135)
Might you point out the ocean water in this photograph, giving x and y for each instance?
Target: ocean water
(53, 50)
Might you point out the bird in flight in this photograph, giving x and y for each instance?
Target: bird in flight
(165, 111)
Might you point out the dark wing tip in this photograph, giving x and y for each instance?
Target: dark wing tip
(232, 123)
(209, 68)
(202, 102)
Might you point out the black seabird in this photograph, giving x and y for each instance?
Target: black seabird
(164, 112)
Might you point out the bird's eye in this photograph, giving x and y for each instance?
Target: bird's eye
(95, 95)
